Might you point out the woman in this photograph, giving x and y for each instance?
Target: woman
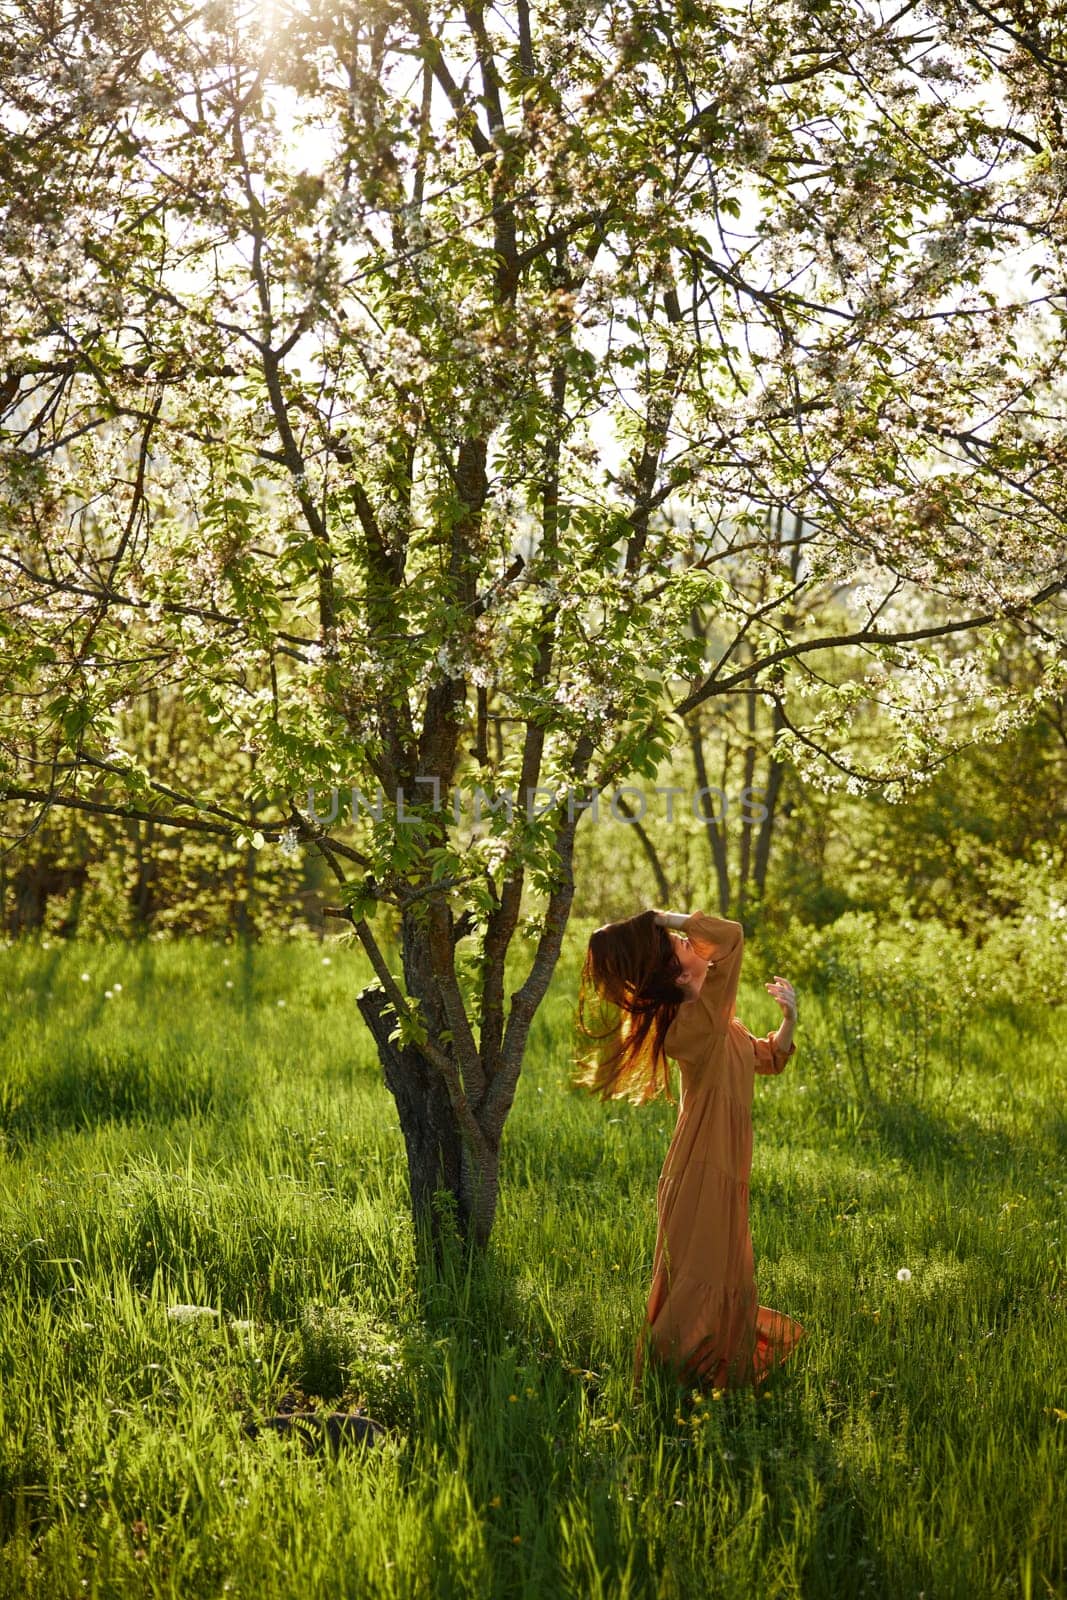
(673, 994)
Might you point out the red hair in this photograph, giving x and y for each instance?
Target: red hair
(633, 970)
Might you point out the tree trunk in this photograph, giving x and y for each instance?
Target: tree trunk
(764, 838)
(663, 888)
(748, 774)
(714, 830)
(438, 1157)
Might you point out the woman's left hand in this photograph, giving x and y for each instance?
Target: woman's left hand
(784, 993)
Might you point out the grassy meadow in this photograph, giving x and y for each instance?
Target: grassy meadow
(195, 1125)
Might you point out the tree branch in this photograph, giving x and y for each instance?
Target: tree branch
(464, 113)
(864, 637)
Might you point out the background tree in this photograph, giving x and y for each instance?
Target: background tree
(99, 873)
(398, 371)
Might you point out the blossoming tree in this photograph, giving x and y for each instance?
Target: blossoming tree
(412, 384)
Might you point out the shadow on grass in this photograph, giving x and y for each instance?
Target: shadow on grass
(767, 1460)
(586, 1442)
(121, 1084)
(925, 1140)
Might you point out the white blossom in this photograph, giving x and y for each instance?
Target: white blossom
(191, 1313)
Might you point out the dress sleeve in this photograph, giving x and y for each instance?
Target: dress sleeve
(770, 1059)
(723, 943)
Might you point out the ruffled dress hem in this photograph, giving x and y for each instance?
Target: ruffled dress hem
(741, 1353)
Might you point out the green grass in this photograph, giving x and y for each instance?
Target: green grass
(185, 1142)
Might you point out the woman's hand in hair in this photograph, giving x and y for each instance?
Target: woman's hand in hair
(669, 919)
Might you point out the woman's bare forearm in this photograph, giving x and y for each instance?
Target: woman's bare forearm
(671, 919)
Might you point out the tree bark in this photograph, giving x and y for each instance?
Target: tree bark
(439, 1159)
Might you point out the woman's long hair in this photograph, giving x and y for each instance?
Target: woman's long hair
(633, 969)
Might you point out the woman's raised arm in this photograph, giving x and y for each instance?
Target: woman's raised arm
(714, 938)
(721, 942)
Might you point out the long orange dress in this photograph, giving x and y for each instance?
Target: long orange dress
(703, 1317)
